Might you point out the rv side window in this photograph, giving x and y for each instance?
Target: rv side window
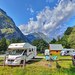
(67, 51)
(32, 49)
(29, 50)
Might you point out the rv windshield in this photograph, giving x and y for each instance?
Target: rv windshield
(15, 52)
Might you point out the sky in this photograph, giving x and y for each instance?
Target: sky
(51, 17)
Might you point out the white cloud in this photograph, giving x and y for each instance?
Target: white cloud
(49, 1)
(49, 21)
(30, 9)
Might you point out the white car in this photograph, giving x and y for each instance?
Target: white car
(62, 53)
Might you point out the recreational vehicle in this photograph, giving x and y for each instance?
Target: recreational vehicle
(19, 52)
(67, 52)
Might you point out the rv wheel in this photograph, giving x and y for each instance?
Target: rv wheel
(23, 62)
(33, 57)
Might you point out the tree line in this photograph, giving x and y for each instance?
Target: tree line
(40, 43)
(64, 40)
(4, 43)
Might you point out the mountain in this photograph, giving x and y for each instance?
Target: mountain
(8, 29)
(38, 35)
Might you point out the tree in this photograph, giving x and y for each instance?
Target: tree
(59, 40)
(64, 41)
(3, 45)
(53, 41)
(18, 40)
(40, 44)
(68, 31)
(8, 42)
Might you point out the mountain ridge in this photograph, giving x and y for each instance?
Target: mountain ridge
(8, 29)
(38, 35)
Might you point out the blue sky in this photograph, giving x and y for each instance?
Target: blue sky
(22, 10)
(51, 17)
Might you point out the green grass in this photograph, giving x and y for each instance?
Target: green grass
(58, 56)
(63, 57)
(7, 30)
(1, 60)
(40, 54)
(41, 67)
(36, 70)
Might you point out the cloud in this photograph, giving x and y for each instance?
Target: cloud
(51, 22)
(49, 1)
(30, 9)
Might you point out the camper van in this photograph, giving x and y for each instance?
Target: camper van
(17, 53)
(67, 52)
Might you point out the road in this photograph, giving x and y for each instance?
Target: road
(2, 55)
(35, 57)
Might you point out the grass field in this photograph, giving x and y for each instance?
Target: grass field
(41, 67)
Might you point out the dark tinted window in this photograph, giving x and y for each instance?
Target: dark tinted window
(56, 51)
(32, 49)
(29, 50)
(25, 52)
(67, 51)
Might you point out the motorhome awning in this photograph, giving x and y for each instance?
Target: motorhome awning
(20, 46)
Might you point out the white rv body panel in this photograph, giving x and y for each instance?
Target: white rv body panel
(15, 57)
(67, 52)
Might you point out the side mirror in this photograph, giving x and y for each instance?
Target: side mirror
(7, 53)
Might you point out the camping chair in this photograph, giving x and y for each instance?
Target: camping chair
(47, 57)
(53, 57)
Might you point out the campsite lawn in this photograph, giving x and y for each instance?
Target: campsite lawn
(63, 57)
(41, 67)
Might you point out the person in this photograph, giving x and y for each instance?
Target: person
(51, 60)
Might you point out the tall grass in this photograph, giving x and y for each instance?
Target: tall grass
(39, 68)
(36, 70)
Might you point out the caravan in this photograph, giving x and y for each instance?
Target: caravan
(67, 52)
(19, 52)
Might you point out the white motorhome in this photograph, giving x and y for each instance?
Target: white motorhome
(19, 52)
(67, 52)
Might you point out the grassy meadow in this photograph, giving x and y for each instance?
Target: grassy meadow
(40, 66)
